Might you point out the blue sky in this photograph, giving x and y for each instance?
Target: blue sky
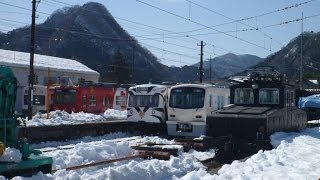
(174, 39)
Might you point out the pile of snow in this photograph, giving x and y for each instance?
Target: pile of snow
(53, 144)
(115, 114)
(296, 157)
(63, 118)
(130, 169)
(11, 155)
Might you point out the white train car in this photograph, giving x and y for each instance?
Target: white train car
(39, 99)
(147, 104)
(190, 104)
(120, 99)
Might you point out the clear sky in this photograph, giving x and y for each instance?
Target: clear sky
(163, 26)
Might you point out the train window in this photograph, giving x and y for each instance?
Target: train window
(121, 100)
(144, 101)
(39, 100)
(65, 96)
(84, 101)
(187, 98)
(243, 96)
(269, 96)
(220, 102)
(210, 100)
(92, 101)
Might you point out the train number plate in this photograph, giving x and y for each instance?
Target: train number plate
(184, 127)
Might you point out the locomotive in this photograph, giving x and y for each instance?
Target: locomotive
(261, 105)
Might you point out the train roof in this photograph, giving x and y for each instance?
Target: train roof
(199, 85)
(22, 59)
(148, 85)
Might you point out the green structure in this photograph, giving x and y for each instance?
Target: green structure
(31, 161)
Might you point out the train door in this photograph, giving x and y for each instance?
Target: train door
(84, 103)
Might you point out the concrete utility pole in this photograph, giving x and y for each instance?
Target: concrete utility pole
(210, 69)
(301, 65)
(201, 61)
(31, 73)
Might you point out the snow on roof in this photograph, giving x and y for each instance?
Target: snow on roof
(22, 59)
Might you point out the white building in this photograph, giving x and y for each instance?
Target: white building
(62, 71)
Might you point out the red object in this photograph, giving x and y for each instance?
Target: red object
(87, 98)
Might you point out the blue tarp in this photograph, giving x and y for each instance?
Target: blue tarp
(309, 102)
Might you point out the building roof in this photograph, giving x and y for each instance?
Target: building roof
(22, 59)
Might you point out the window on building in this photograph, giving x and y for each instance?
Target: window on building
(25, 100)
(39, 100)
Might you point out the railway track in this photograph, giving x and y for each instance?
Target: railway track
(38, 134)
(151, 150)
(71, 146)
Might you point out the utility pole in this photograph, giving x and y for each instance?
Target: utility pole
(31, 73)
(210, 69)
(201, 61)
(133, 58)
(301, 49)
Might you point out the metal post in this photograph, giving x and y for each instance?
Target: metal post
(31, 73)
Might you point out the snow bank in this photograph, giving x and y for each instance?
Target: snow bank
(115, 114)
(11, 155)
(295, 157)
(62, 118)
(131, 169)
(111, 136)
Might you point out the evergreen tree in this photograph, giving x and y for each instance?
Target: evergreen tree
(119, 69)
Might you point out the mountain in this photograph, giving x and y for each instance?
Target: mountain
(229, 64)
(90, 35)
(287, 60)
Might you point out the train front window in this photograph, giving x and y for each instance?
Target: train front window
(269, 96)
(243, 96)
(65, 96)
(143, 101)
(187, 98)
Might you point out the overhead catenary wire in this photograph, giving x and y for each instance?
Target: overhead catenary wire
(200, 24)
(23, 8)
(248, 18)
(134, 22)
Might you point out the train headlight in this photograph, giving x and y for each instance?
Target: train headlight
(131, 112)
(153, 112)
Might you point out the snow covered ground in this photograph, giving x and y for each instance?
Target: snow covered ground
(296, 156)
(61, 117)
